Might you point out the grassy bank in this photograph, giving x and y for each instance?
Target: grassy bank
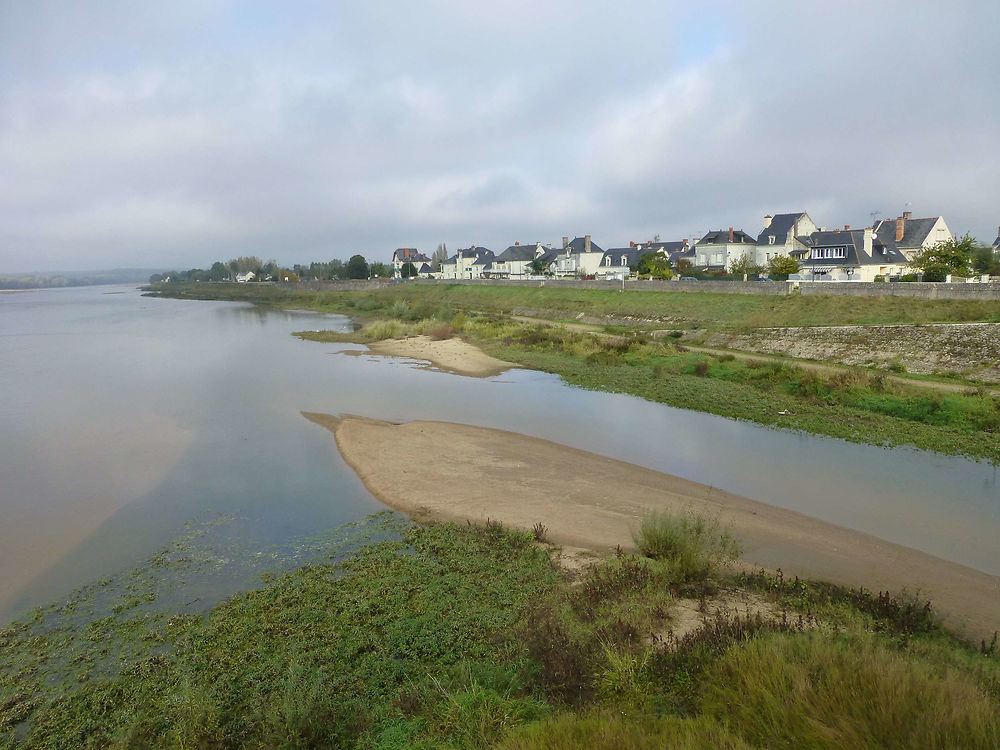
(456, 636)
(683, 309)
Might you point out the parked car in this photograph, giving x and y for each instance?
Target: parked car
(688, 278)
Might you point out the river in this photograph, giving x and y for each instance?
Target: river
(124, 419)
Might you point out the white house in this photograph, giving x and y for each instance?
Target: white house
(782, 235)
(849, 255)
(470, 263)
(910, 236)
(581, 257)
(516, 261)
(404, 255)
(243, 278)
(720, 250)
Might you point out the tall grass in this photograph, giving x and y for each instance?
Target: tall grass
(692, 545)
(818, 691)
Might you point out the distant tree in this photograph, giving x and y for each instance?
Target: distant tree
(284, 274)
(781, 266)
(440, 255)
(408, 271)
(538, 266)
(246, 263)
(357, 267)
(684, 266)
(156, 278)
(218, 272)
(381, 270)
(985, 260)
(654, 266)
(745, 266)
(954, 256)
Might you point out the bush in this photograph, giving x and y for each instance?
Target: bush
(701, 368)
(691, 545)
(442, 332)
(383, 329)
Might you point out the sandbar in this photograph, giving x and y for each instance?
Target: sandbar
(444, 471)
(450, 355)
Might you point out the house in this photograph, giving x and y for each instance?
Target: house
(581, 257)
(470, 263)
(404, 255)
(996, 243)
(516, 261)
(849, 255)
(721, 249)
(781, 236)
(910, 236)
(620, 262)
(243, 278)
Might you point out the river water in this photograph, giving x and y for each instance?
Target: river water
(124, 419)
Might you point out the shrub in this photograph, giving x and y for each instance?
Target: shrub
(442, 332)
(701, 368)
(383, 329)
(691, 545)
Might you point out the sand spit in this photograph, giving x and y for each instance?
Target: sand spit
(450, 355)
(458, 472)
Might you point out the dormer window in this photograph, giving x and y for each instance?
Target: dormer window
(607, 261)
(770, 239)
(624, 261)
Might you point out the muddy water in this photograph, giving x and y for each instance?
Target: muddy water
(124, 418)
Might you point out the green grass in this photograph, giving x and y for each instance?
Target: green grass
(691, 545)
(459, 636)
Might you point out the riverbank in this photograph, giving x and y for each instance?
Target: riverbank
(592, 502)
(447, 355)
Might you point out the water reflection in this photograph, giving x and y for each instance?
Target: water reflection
(205, 399)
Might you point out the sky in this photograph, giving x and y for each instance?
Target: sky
(173, 134)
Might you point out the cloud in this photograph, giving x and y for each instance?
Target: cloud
(186, 132)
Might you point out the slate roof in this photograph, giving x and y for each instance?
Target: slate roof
(996, 243)
(721, 237)
(915, 232)
(409, 255)
(854, 239)
(477, 253)
(781, 225)
(425, 268)
(579, 243)
(632, 256)
(521, 252)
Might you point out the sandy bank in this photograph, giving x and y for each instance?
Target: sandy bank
(450, 355)
(459, 472)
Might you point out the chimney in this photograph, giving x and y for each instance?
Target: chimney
(565, 242)
(516, 243)
(767, 221)
(900, 225)
(632, 243)
(847, 227)
(868, 240)
(586, 243)
(730, 234)
(685, 240)
(907, 214)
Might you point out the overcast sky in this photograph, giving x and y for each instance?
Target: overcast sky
(172, 134)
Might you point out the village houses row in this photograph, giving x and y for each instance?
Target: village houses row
(882, 250)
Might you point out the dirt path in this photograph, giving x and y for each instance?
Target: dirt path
(592, 502)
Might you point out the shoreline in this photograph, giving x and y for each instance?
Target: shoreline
(592, 502)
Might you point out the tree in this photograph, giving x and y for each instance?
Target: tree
(381, 270)
(538, 266)
(440, 255)
(654, 266)
(408, 271)
(954, 256)
(357, 267)
(781, 266)
(985, 260)
(745, 266)
(684, 267)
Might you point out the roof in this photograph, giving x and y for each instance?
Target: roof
(780, 226)
(915, 231)
(425, 268)
(579, 244)
(475, 253)
(409, 255)
(721, 237)
(632, 255)
(521, 252)
(854, 239)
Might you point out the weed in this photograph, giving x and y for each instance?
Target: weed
(442, 332)
(701, 368)
(540, 532)
(690, 544)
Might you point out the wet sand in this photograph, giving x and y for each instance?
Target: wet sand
(444, 471)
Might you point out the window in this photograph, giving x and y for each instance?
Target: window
(624, 261)
(607, 261)
(770, 240)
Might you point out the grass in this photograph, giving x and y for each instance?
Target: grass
(461, 636)
(691, 545)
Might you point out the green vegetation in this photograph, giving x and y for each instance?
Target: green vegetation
(691, 545)
(961, 256)
(459, 636)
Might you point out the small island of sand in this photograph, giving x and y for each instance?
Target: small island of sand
(592, 502)
(450, 355)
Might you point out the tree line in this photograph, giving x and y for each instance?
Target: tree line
(356, 267)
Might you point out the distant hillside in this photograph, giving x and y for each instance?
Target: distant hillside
(40, 280)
